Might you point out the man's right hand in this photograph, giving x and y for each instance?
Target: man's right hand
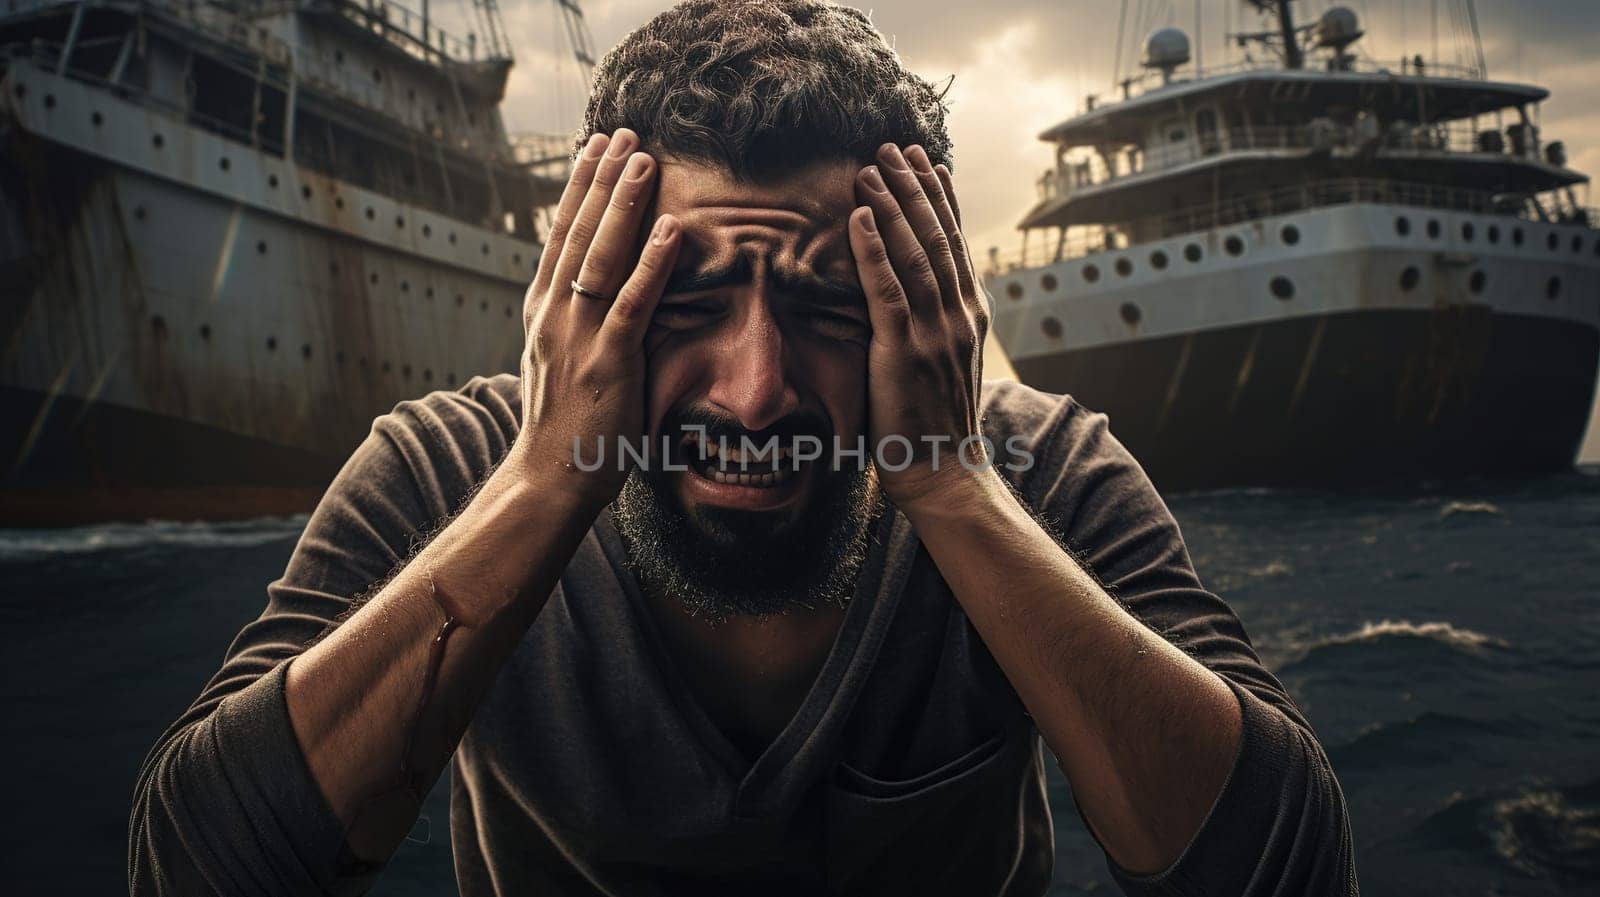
(583, 362)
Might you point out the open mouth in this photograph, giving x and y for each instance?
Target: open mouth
(733, 462)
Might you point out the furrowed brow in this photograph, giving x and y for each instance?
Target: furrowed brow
(736, 272)
(821, 290)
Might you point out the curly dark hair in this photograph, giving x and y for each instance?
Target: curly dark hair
(762, 87)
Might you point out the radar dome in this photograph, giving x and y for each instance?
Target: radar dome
(1166, 49)
(1338, 28)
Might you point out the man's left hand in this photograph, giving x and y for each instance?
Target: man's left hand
(929, 318)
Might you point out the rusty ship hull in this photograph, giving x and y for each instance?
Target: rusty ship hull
(198, 324)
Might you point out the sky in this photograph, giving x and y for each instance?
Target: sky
(1020, 66)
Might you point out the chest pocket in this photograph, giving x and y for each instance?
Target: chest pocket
(953, 830)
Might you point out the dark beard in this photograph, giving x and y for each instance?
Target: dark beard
(721, 563)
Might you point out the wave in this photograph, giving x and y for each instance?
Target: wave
(1542, 831)
(1430, 737)
(40, 544)
(1438, 631)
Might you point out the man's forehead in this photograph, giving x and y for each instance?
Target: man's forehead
(799, 221)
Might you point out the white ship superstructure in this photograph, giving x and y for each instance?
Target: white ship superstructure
(234, 231)
(1311, 271)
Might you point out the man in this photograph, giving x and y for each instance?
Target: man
(719, 668)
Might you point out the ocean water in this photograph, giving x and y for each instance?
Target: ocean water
(1445, 643)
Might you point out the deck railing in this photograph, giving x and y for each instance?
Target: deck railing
(1086, 170)
(1082, 241)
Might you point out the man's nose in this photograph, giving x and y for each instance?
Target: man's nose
(750, 381)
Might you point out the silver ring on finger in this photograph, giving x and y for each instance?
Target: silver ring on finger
(582, 290)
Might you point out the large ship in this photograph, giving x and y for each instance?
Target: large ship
(234, 231)
(1311, 268)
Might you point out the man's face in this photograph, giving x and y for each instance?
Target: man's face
(762, 331)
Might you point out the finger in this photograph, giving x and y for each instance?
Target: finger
(908, 260)
(938, 191)
(908, 190)
(587, 221)
(949, 190)
(571, 198)
(605, 265)
(628, 319)
(887, 304)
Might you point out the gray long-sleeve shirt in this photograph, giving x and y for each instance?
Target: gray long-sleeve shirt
(911, 766)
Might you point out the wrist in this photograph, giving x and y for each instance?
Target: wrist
(952, 491)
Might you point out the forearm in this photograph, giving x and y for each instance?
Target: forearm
(356, 699)
(1145, 734)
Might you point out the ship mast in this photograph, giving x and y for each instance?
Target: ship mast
(1292, 56)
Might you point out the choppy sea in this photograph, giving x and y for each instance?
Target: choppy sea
(1445, 643)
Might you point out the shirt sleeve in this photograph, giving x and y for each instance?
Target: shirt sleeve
(1279, 825)
(225, 803)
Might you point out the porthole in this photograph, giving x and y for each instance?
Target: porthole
(377, 76)
(272, 344)
(1158, 260)
(1124, 267)
(483, 305)
(1130, 314)
(374, 277)
(338, 57)
(1051, 328)
(450, 379)
(1192, 252)
(427, 230)
(338, 357)
(261, 247)
(224, 163)
(333, 267)
(205, 331)
(1597, 247)
(272, 181)
(49, 101)
(516, 258)
(405, 371)
(1552, 241)
(486, 249)
(338, 202)
(138, 213)
(428, 292)
(399, 221)
(460, 300)
(1282, 288)
(452, 238)
(157, 141)
(1552, 288)
(158, 324)
(1402, 225)
(1516, 236)
(96, 119)
(1433, 228)
(1233, 245)
(427, 375)
(1014, 290)
(305, 191)
(1091, 273)
(305, 350)
(1290, 235)
(371, 214)
(405, 286)
(508, 311)
(1409, 278)
(386, 366)
(1494, 233)
(21, 91)
(1477, 281)
(1467, 231)
(1577, 243)
(1048, 282)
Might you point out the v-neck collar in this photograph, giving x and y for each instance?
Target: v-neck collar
(787, 765)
